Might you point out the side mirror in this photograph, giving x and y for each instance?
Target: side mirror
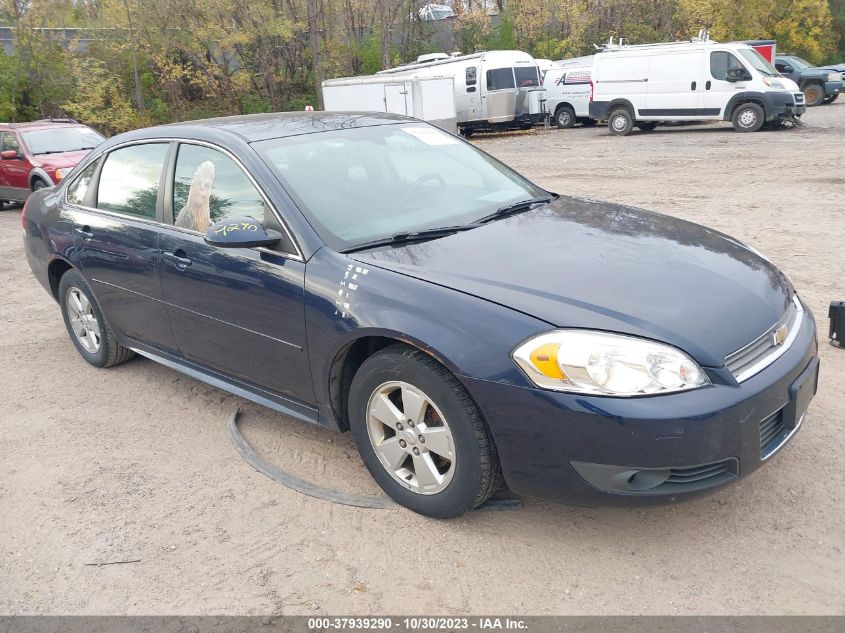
(9, 154)
(241, 232)
(736, 74)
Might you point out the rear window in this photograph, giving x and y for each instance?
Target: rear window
(500, 79)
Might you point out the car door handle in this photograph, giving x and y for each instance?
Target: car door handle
(693, 85)
(177, 259)
(707, 86)
(85, 233)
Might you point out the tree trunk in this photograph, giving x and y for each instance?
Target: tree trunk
(314, 33)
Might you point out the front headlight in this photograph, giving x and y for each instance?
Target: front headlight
(587, 361)
(773, 83)
(834, 76)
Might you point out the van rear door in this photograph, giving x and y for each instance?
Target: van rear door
(674, 86)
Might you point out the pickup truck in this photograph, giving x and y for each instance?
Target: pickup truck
(819, 85)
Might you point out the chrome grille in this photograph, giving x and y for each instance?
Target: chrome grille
(764, 350)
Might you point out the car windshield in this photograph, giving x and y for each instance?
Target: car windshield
(61, 139)
(757, 61)
(360, 185)
(797, 62)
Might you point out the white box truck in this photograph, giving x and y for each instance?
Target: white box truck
(493, 90)
(430, 99)
(700, 80)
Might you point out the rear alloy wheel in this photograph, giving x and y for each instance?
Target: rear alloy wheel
(91, 335)
(646, 126)
(620, 122)
(813, 94)
(748, 117)
(565, 117)
(420, 434)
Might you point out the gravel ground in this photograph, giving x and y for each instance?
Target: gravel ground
(134, 463)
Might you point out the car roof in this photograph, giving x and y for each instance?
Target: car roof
(40, 125)
(259, 127)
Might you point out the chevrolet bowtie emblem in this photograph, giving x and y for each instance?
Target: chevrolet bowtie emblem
(779, 335)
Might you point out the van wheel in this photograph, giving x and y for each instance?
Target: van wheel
(748, 117)
(620, 122)
(647, 126)
(813, 94)
(466, 132)
(565, 117)
(420, 434)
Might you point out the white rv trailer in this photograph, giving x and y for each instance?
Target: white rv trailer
(430, 98)
(493, 90)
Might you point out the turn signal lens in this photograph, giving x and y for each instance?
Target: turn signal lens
(544, 358)
(60, 173)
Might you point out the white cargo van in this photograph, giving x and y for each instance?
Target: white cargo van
(430, 99)
(640, 86)
(493, 90)
(568, 92)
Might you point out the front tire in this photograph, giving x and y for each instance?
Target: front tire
(831, 98)
(565, 117)
(620, 122)
(88, 330)
(37, 184)
(420, 434)
(813, 94)
(748, 117)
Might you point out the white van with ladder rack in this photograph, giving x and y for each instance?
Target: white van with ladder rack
(699, 80)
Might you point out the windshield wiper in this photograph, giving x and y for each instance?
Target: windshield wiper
(413, 236)
(516, 207)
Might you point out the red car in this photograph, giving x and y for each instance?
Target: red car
(39, 154)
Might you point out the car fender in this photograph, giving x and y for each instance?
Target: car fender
(38, 172)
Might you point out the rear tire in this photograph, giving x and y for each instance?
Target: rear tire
(457, 469)
(565, 117)
(748, 117)
(88, 330)
(646, 126)
(813, 94)
(620, 122)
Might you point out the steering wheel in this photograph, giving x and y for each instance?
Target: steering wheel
(419, 182)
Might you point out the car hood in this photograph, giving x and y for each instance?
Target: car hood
(59, 161)
(586, 264)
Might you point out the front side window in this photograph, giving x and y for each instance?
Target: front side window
(129, 180)
(8, 142)
(78, 189)
(61, 139)
(720, 62)
(209, 186)
(364, 184)
(526, 76)
(500, 79)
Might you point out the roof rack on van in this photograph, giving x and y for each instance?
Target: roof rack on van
(622, 43)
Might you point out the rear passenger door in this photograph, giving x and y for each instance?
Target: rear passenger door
(116, 207)
(238, 311)
(674, 86)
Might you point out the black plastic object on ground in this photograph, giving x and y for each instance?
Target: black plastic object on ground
(335, 496)
(836, 314)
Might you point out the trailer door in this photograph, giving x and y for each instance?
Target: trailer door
(395, 98)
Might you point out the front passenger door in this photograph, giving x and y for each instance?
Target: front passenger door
(238, 311)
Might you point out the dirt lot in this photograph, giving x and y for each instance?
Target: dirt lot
(135, 462)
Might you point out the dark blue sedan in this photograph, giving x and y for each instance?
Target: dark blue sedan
(373, 273)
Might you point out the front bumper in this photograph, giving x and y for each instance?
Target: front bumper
(832, 88)
(544, 438)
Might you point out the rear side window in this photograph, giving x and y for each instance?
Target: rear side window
(720, 61)
(78, 189)
(500, 79)
(129, 180)
(209, 186)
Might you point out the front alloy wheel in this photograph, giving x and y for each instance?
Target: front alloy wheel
(420, 434)
(411, 437)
